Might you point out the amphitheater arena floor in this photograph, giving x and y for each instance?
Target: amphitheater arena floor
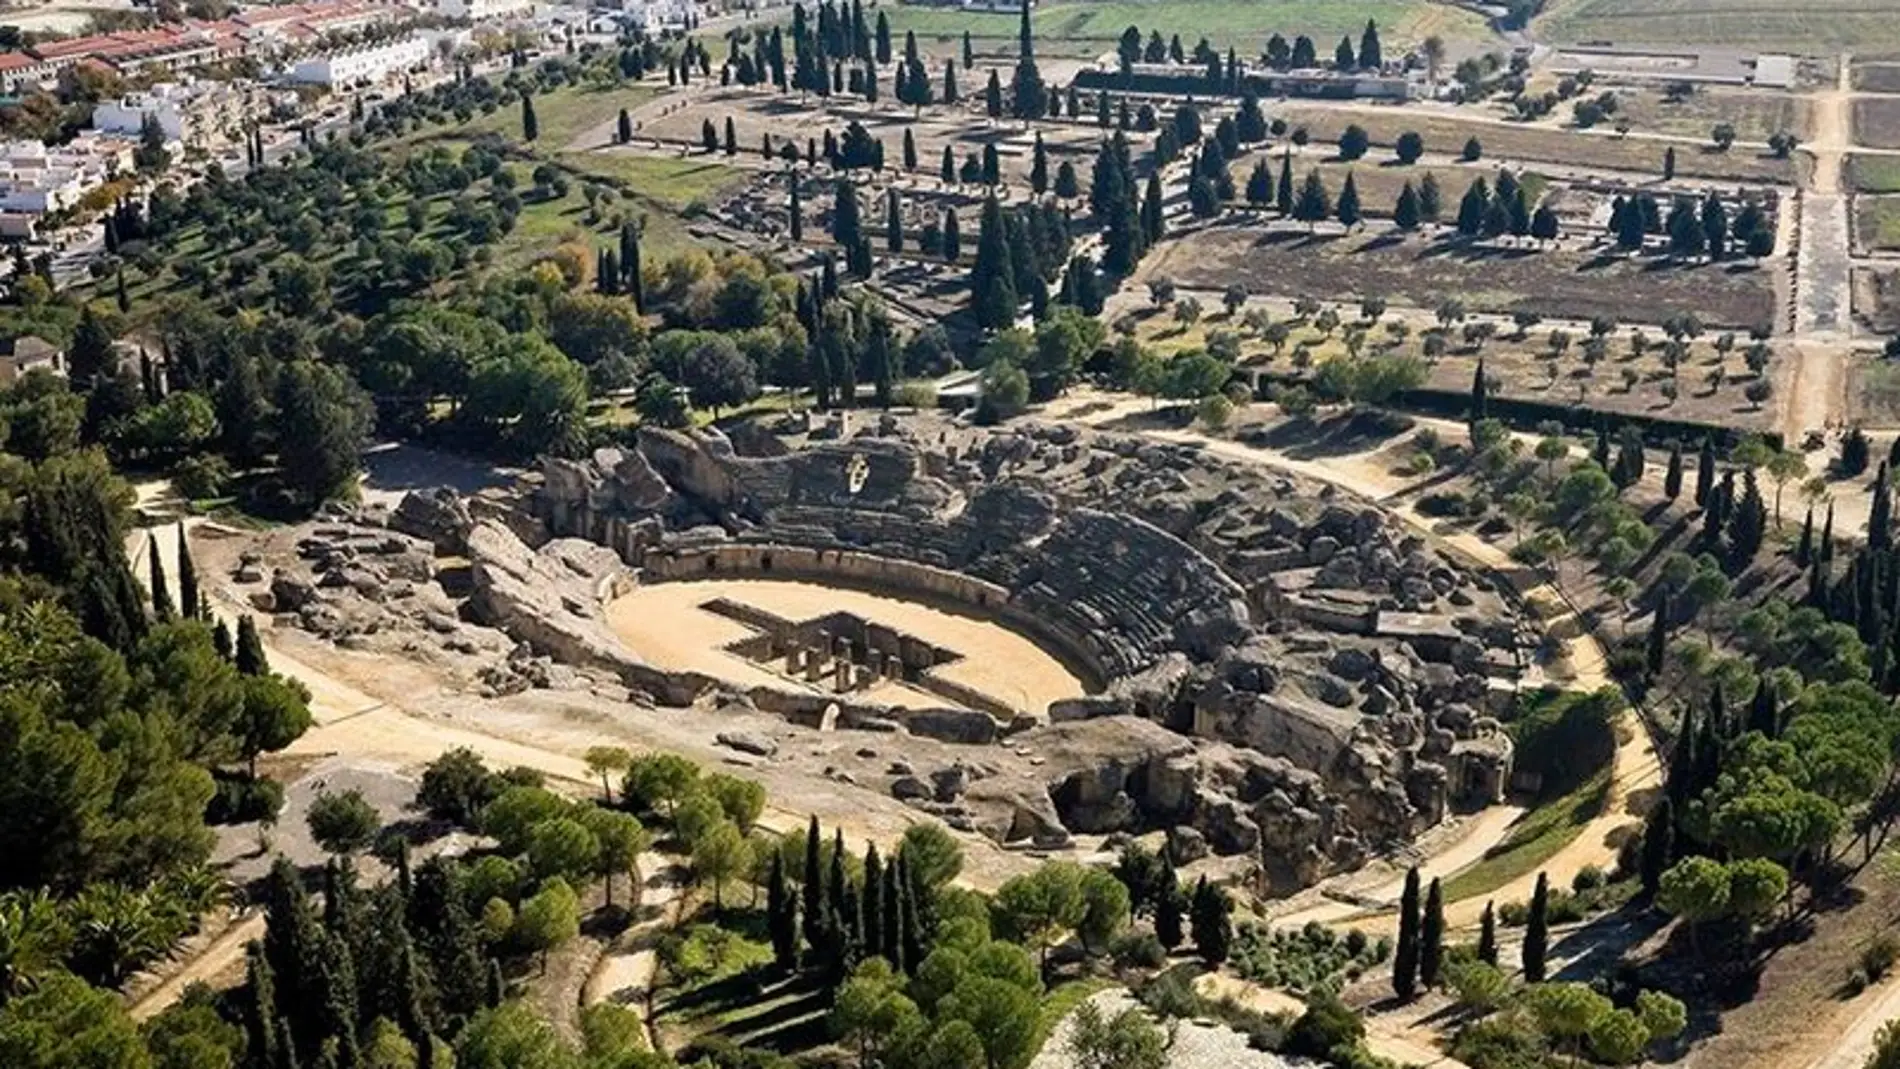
(665, 625)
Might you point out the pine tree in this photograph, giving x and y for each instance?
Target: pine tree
(161, 591)
(1659, 830)
(1488, 936)
(530, 126)
(1312, 206)
(1405, 959)
(251, 660)
(1537, 932)
(1349, 203)
(1371, 56)
(1431, 950)
(1405, 213)
(1672, 477)
(1283, 189)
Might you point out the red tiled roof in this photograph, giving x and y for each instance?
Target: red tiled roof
(13, 61)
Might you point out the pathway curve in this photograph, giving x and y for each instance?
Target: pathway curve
(1635, 767)
(625, 973)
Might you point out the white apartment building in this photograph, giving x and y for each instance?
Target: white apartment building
(486, 10)
(36, 178)
(169, 104)
(363, 65)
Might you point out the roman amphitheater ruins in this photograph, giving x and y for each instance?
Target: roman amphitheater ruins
(1103, 633)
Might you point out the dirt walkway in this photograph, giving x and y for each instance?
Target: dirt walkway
(625, 973)
(1635, 767)
(1387, 1035)
(1833, 128)
(221, 961)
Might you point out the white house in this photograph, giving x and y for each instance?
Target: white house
(170, 105)
(485, 10)
(364, 65)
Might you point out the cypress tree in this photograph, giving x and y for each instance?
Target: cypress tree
(1600, 453)
(250, 648)
(872, 903)
(1537, 932)
(1659, 832)
(1168, 912)
(1405, 958)
(1825, 550)
(161, 591)
(1488, 936)
(1283, 190)
(781, 916)
(911, 919)
(1480, 395)
(1705, 473)
(1672, 478)
(838, 889)
(286, 1050)
(1880, 512)
(497, 985)
(1431, 950)
(892, 916)
(635, 281)
(1764, 714)
(221, 640)
(290, 945)
(1213, 927)
(1804, 549)
(1658, 644)
(797, 214)
(530, 126)
(337, 1010)
(1680, 781)
(813, 903)
(260, 1007)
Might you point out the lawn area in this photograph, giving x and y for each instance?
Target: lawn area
(1874, 174)
(1877, 222)
(1534, 839)
(1812, 26)
(567, 113)
(1243, 25)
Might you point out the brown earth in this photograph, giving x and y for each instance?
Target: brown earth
(1877, 122)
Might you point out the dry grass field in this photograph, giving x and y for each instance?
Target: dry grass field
(1756, 114)
(1876, 223)
(1877, 122)
(1877, 77)
(1877, 298)
(1514, 143)
(1424, 272)
(1809, 26)
(1873, 174)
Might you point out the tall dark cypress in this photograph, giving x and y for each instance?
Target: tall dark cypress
(838, 891)
(1705, 472)
(1825, 549)
(1659, 834)
(161, 591)
(1658, 645)
(260, 1007)
(497, 984)
(337, 1009)
(1431, 949)
(814, 891)
(190, 602)
(1672, 477)
(291, 949)
(781, 915)
(1680, 778)
(873, 903)
(1804, 549)
(1537, 932)
(892, 916)
(914, 920)
(1601, 451)
(1405, 959)
(221, 640)
(1480, 395)
(1488, 936)
(1880, 513)
(250, 648)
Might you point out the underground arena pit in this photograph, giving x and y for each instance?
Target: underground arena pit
(853, 644)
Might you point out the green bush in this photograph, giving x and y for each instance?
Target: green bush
(915, 394)
(1171, 995)
(1138, 950)
(1327, 1025)
(1879, 954)
(203, 476)
(1309, 960)
(1588, 878)
(239, 799)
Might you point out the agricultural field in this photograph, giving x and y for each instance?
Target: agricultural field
(1379, 183)
(1424, 272)
(1083, 28)
(1873, 174)
(1632, 377)
(1877, 122)
(1806, 27)
(1510, 142)
(1877, 298)
(1877, 223)
(1877, 77)
(1756, 115)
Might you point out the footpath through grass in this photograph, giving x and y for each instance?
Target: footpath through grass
(1534, 839)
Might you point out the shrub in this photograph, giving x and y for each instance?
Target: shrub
(1327, 1025)
(239, 799)
(915, 394)
(1138, 950)
(1171, 995)
(1588, 878)
(1879, 954)
(203, 476)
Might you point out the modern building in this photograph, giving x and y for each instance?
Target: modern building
(364, 64)
(36, 179)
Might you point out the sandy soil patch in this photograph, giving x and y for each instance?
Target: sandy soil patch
(665, 624)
